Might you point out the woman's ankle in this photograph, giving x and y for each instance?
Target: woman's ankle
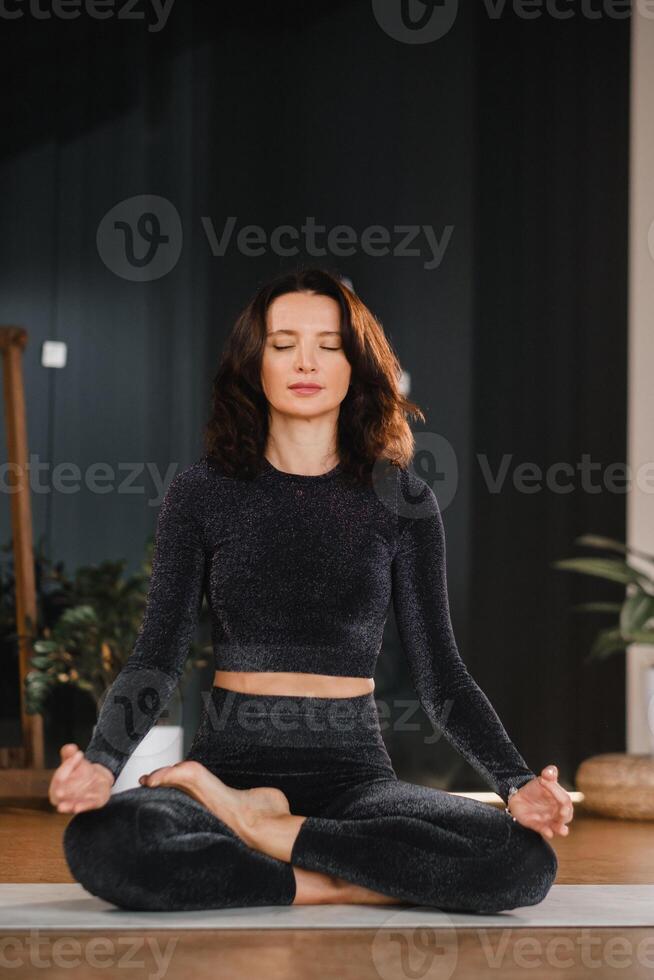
(317, 888)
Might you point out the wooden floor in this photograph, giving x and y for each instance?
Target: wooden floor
(596, 851)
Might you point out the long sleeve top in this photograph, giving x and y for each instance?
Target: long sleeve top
(300, 573)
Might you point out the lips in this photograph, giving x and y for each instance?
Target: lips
(304, 386)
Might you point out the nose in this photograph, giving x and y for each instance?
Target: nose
(305, 359)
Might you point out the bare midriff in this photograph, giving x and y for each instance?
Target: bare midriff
(292, 682)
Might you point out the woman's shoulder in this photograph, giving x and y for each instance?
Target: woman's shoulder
(190, 485)
(416, 499)
(411, 486)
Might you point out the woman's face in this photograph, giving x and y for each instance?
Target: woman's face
(304, 347)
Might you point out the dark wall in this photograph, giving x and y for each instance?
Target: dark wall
(550, 370)
(292, 110)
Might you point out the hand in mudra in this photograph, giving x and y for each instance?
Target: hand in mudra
(79, 784)
(543, 805)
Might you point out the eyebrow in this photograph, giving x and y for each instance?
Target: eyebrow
(321, 333)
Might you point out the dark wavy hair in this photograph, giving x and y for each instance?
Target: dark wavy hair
(372, 421)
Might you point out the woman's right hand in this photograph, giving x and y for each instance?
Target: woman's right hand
(79, 784)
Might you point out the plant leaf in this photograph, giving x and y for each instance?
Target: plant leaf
(613, 607)
(641, 636)
(606, 642)
(607, 568)
(45, 646)
(611, 544)
(636, 610)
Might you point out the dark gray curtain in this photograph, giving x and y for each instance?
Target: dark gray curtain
(550, 371)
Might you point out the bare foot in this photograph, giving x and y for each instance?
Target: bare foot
(240, 809)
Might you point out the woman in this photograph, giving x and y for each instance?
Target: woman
(302, 522)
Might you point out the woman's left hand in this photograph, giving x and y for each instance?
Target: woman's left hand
(543, 805)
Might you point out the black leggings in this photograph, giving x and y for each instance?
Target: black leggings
(158, 848)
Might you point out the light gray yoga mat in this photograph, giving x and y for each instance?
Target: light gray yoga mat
(69, 907)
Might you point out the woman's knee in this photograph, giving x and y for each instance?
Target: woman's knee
(534, 866)
(115, 851)
(83, 850)
(101, 846)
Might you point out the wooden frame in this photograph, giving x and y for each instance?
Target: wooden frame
(13, 341)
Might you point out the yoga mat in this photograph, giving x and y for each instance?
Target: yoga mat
(69, 907)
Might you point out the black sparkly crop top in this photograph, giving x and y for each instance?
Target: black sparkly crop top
(299, 574)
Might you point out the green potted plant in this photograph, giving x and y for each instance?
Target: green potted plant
(99, 613)
(616, 784)
(48, 608)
